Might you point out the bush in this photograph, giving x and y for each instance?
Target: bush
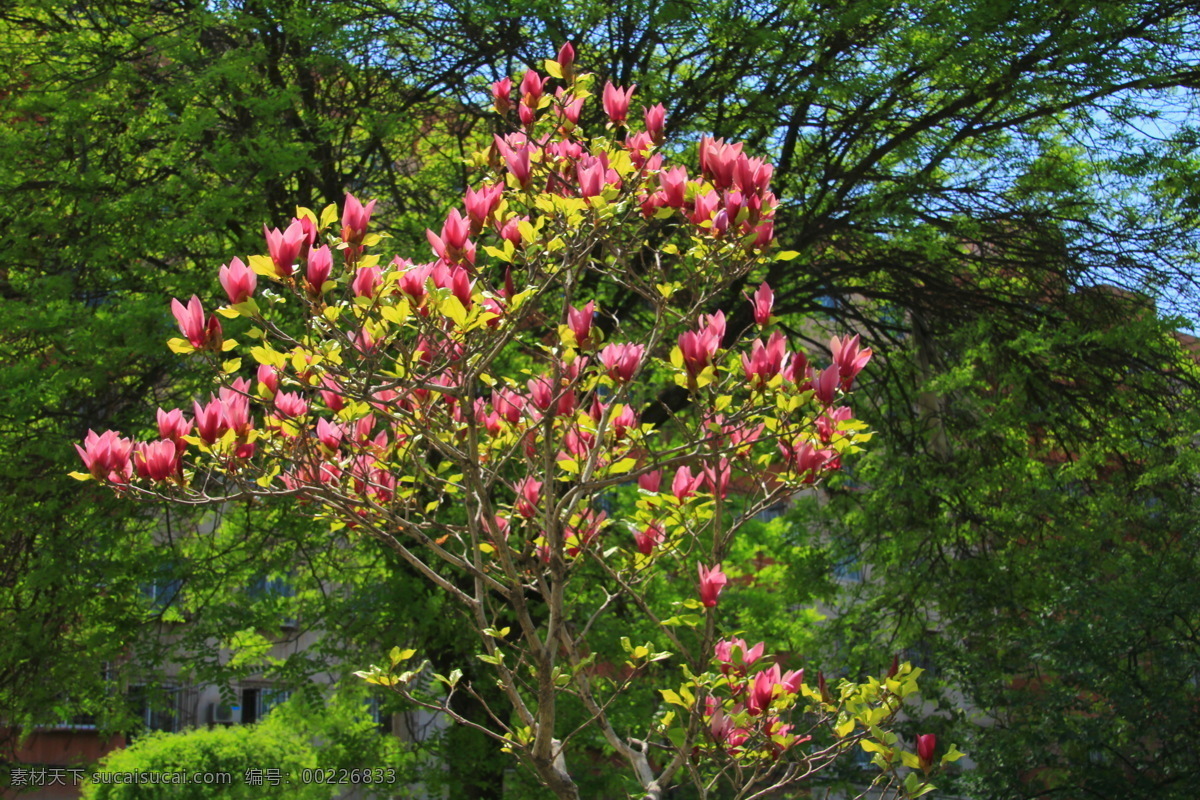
(311, 748)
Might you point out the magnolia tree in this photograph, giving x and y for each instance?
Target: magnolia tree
(477, 412)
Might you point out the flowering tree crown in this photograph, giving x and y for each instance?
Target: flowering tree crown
(477, 408)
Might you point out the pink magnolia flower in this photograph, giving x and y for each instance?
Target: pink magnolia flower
(700, 347)
(236, 400)
(285, 247)
(734, 656)
(529, 493)
(532, 85)
(481, 204)
(803, 459)
(579, 320)
(764, 233)
(649, 537)
(718, 160)
(356, 218)
(268, 380)
(508, 404)
(502, 95)
(238, 281)
(517, 159)
(412, 282)
(330, 435)
(310, 232)
(511, 230)
(825, 386)
(650, 481)
(566, 60)
(622, 422)
(762, 301)
(106, 456)
(712, 583)
(672, 183)
(193, 326)
(173, 425)
(622, 360)
(320, 264)
(366, 283)
(155, 460)
(569, 108)
(211, 424)
(849, 358)
(591, 173)
(685, 484)
(616, 102)
(291, 404)
(796, 371)
(717, 479)
(456, 231)
(639, 146)
(764, 361)
(583, 531)
(724, 732)
(763, 689)
(703, 207)
(752, 175)
(926, 746)
(793, 680)
(655, 118)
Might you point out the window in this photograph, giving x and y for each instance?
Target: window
(771, 512)
(257, 702)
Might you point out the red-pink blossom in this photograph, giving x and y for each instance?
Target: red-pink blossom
(616, 102)
(291, 404)
(649, 537)
(764, 361)
(825, 386)
(579, 320)
(481, 204)
(366, 282)
(623, 422)
(926, 746)
(173, 425)
(106, 456)
(566, 60)
(517, 159)
(762, 690)
(762, 302)
(285, 247)
(238, 281)
(712, 583)
(650, 481)
(211, 424)
(735, 656)
(532, 85)
(622, 360)
(155, 460)
(356, 218)
(685, 484)
(192, 325)
(330, 434)
(849, 358)
(655, 118)
(320, 264)
(529, 493)
(502, 95)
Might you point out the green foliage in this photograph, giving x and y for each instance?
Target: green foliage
(1030, 542)
(298, 738)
